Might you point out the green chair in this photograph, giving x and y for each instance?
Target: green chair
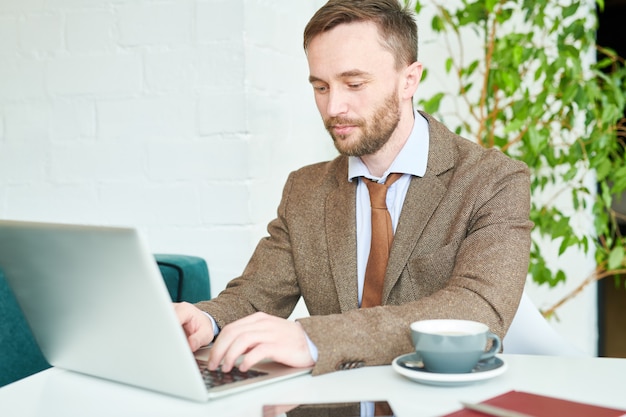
(19, 354)
(186, 279)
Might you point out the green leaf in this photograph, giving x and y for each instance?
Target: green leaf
(561, 228)
(490, 4)
(449, 64)
(471, 68)
(571, 9)
(432, 105)
(600, 4)
(560, 277)
(437, 24)
(616, 257)
(535, 140)
(570, 174)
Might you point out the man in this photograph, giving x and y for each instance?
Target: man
(460, 214)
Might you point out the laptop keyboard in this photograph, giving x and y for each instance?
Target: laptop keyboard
(217, 377)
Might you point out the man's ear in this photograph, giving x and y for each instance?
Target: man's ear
(412, 77)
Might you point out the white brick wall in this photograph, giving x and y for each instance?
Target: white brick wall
(179, 117)
(20, 78)
(119, 74)
(162, 23)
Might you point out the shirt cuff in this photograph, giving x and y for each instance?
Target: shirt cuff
(216, 329)
(312, 348)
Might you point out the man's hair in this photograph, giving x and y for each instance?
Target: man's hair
(396, 24)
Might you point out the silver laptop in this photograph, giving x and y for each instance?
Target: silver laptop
(97, 304)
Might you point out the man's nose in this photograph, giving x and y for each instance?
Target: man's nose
(337, 103)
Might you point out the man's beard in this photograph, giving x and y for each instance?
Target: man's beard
(374, 134)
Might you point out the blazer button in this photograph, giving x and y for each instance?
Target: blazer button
(351, 364)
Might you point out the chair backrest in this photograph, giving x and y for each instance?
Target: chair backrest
(186, 277)
(530, 333)
(19, 353)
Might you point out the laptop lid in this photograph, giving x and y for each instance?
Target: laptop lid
(97, 304)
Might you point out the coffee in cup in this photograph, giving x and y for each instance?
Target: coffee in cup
(452, 346)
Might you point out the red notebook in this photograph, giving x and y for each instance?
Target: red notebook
(542, 406)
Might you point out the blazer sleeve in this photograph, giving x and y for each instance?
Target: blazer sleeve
(268, 283)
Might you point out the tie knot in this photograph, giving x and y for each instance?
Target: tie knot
(378, 191)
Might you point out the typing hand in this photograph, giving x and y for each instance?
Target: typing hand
(260, 336)
(196, 324)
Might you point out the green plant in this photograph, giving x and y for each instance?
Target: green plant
(536, 91)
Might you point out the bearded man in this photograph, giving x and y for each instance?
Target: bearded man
(455, 218)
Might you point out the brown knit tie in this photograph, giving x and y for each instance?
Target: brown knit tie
(382, 236)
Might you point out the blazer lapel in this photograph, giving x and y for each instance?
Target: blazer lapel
(340, 216)
(416, 211)
(422, 199)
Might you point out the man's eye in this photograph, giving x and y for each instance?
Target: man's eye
(320, 89)
(355, 86)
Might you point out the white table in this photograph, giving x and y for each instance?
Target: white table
(55, 392)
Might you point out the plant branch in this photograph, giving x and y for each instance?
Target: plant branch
(597, 275)
(491, 42)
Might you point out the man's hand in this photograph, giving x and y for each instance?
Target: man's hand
(260, 336)
(197, 325)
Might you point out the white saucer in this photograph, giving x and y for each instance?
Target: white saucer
(483, 370)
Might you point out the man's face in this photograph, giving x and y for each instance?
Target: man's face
(356, 87)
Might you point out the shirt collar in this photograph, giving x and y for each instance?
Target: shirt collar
(412, 159)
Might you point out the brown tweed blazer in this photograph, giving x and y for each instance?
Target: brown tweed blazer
(461, 250)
